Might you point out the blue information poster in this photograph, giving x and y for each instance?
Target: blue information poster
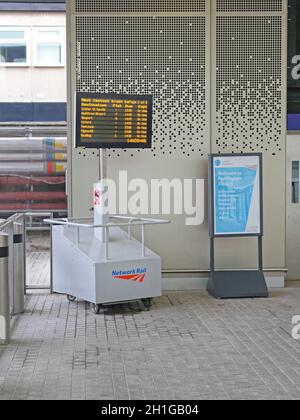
(237, 195)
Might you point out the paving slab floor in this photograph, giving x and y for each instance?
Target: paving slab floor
(189, 346)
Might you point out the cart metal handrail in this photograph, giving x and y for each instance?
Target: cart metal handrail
(131, 222)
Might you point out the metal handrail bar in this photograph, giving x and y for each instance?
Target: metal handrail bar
(139, 218)
(130, 228)
(10, 221)
(110, 217)
(107, 226)
(39, 214)
(137, 222)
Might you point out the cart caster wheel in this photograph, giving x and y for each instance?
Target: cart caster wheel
(147, 303)
(71, 298)
(96, 309)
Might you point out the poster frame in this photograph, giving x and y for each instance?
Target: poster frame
(212, 209)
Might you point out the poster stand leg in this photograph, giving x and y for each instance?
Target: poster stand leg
(237, 284)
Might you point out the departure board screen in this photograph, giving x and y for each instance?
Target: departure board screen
(113, 121)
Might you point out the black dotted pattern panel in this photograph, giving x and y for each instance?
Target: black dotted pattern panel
(106, 6)
(249, 85)
(163, 56)
(249, 5)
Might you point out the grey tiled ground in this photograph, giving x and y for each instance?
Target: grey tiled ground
(188, 346)
(38, 269)
(38, 259)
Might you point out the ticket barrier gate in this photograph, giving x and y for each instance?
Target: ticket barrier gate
(12, 272)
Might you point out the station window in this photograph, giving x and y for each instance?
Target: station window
(14, 47)
(295, 182)
(49, 47)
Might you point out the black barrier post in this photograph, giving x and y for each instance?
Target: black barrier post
(18, 269)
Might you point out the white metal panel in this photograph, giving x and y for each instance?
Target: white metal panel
(167, 56)
(81, 270)
(167, 60)
(167, 51)
(73, 271)
(249, 109)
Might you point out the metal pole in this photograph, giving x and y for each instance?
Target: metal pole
(106, 243)
(9, 229)
(260, 254)
(143, 241)
(103, 164)
(212, 254)
(24, 221)
(18, 270)
(51, 255)
(100, 210)
(4, 291)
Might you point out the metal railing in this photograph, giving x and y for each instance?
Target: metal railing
(12, 272)
(28, 221)
(84, 223)
(13, 284)
(23, 218)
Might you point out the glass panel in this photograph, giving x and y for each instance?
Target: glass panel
(49, 54)
(49, 36)
(12, 34)
(295, 182)
(12, 53)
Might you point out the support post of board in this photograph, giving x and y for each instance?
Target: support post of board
(109, 120)
(212, 255)
(101, 216)
(260, 254)
(236, 210)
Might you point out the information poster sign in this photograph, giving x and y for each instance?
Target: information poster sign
(236, 195)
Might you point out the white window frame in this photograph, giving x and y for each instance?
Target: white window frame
(36, 43)
(13, 41)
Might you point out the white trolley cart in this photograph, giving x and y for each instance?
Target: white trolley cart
(118, 269)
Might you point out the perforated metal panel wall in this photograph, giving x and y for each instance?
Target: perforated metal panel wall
(219, 93)
(249, 5)
(250, 99)
(249, 104)
(167, 60)
(102, 6)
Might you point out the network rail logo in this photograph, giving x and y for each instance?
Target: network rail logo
(134, 276)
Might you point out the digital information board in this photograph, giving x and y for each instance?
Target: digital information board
(236, 195)
(113, 121)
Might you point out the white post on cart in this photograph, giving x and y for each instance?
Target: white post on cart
(101, 217)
